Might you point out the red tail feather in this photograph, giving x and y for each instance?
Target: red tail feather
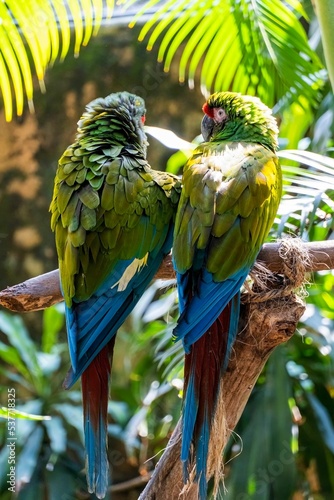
(95, 392)
(95, 384)
(206, 360)
(204, 366)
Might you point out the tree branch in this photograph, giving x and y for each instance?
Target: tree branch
(44, 290)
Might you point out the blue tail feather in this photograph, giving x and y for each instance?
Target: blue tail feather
(189, 419)
(202, 457)
(93, 323)
(197, 318)
(208, 339)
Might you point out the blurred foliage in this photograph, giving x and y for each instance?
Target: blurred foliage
(48, 448)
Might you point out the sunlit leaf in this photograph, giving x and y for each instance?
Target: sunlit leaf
(320, 162)
(6, 90)
(18, 336)
(170, 139)
(53, 321)
(255, 47)
(30, 32)
(21, 414)
(12, 357)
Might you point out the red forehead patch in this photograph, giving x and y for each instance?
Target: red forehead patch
(207, 110)
(143, 119)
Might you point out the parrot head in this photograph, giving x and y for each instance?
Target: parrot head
(241, 117)
(120, 112)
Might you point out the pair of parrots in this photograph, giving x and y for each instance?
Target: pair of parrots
(115, 219)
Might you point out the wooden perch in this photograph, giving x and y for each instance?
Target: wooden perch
(44, 290)
(263, 325)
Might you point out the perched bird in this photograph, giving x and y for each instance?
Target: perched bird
(113, 219)
(230, 195)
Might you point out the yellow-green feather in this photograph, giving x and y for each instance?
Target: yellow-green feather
(106, 194)
(116, 220)
(227, 191)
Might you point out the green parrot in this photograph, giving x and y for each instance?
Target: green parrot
(231, 191)
(113, 218)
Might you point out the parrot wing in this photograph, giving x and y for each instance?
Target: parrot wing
(112, 229)
(228, 203)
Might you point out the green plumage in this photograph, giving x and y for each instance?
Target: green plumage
(101, 199)
(247, 119)
(231, 188)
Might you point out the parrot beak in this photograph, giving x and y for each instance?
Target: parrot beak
(207, 127)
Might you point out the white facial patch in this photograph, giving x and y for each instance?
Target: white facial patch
(219, 115)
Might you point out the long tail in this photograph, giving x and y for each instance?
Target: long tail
(204, 365)
(95, 382)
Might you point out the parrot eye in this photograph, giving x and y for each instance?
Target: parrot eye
(219, 115)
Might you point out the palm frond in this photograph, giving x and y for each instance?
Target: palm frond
(251, 46)
(307, 207)
(40, 31)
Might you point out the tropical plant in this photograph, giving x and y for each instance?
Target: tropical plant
(257, 47)
(254, 47)
(40, 32)
(45, 448)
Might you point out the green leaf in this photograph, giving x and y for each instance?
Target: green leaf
(53, 322)
(28, 458)
(170, 139)
(30, 32)
(6, 90)
(257, 47)
(325, 423)
(264, 467)
(21, 414)
(176, 162)
(62, 484)
(18, 336)
(11, 356)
